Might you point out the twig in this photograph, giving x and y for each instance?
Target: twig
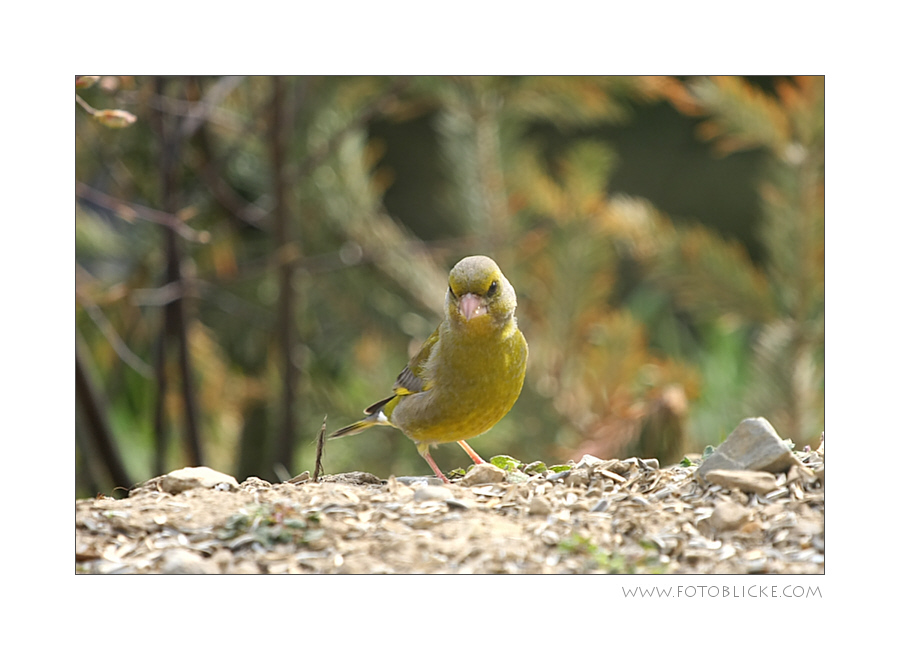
(130, 211)
(320, 450)
(112, 336)
(87, 107)
(199, 112)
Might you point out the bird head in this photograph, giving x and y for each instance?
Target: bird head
(478, 289)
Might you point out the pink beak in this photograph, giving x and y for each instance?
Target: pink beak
(471, 306)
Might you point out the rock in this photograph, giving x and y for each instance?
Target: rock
(180, 561)
(588, 461)
(353, 478)
(760, 483)
(423, 480)
(753, 445)
(255, 484)
(432, 493)
(539, 506)
(483, 474)
(189, 478)
(578, 477)
(728, 515)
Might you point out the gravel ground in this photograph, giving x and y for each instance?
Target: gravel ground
(598, 516)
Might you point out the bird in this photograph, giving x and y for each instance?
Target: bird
(468, 373)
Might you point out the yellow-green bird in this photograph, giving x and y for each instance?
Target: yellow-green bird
(468, 373)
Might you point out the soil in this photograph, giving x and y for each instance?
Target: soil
(609, 516)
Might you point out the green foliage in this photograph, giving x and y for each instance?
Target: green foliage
(597, 559)
(269, 524)
(506, 463)
(647, 335)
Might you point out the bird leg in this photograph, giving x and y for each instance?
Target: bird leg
(423, 451)
(475, 457)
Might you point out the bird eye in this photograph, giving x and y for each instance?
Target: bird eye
(492, 289)
(450, 289)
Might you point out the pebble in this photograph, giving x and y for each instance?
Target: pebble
(540, 506)
(728, 516)
(432, 493)
(412, 480)
(180, 561)
(483, 474)
(588, 461)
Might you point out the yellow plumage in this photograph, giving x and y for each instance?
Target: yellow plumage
(469, 372)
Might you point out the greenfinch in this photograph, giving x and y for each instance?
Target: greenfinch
(469, 372)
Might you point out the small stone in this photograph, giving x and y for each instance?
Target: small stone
(619, 467)
(423, 480)
(728, 516)
(578, 477)
(255, 484)
(539, 506)
(189, 478)
(432, 493)
(483, 474)
(759, 483)
(180, 561)
(353, 478)
(400, 489)
(753, 445)
(588, 461)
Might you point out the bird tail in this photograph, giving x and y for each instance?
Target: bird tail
(353, 429)
(375, 417)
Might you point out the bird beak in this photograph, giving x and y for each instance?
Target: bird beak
(471, 306)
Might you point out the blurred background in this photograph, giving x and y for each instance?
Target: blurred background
(254, 254)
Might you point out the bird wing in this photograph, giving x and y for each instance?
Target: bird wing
(412, 378)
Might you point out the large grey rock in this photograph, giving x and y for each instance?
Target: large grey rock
(753, 445)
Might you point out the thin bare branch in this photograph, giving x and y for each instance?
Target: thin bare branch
(131, 211)
(112, 337)
(201, 111)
